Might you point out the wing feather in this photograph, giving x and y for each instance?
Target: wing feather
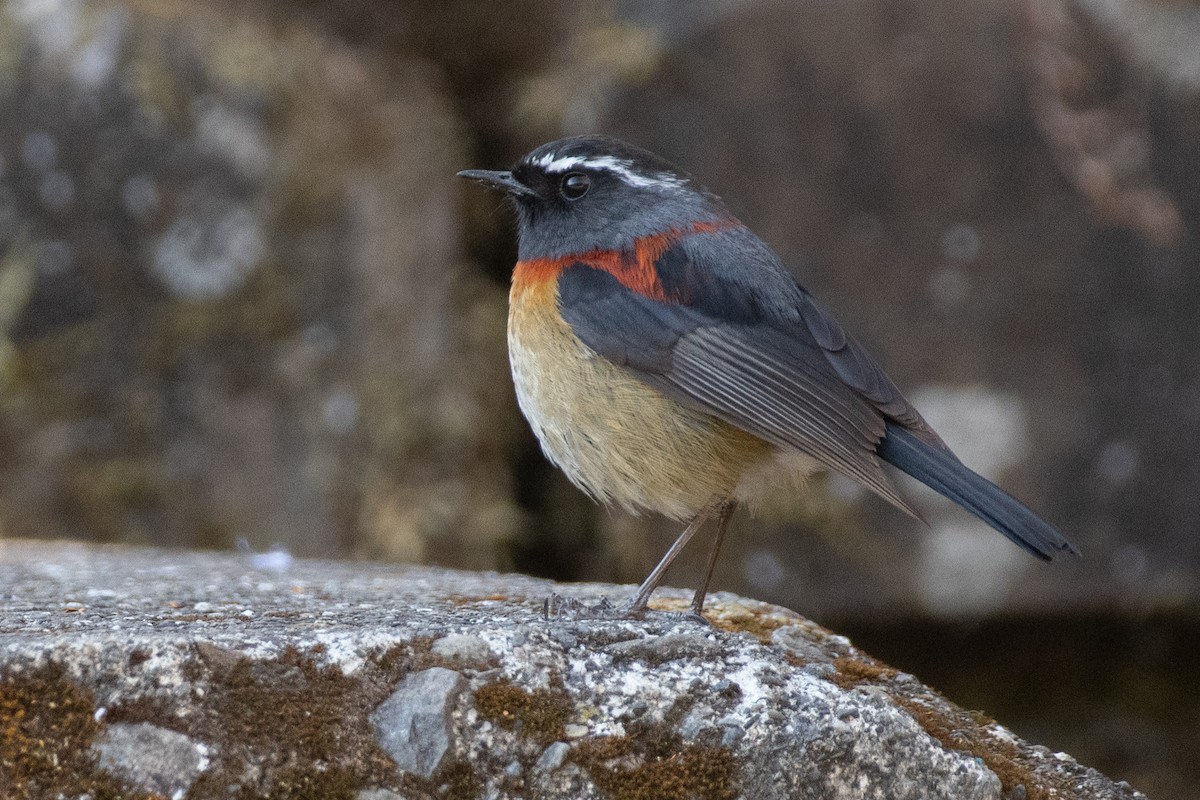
(857, 368)
(766, 374)
(758, 395)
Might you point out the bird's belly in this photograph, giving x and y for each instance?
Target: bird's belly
(615, 437)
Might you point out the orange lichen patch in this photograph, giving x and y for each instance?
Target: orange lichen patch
(634, 268)
(740, 619)
(540, 714)
(671, 604)
(759, 620)
(654, 764)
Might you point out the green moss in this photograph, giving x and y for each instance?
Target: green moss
(305, 725)
(850, 671)
(302, 783)
(540, 714)
(956, 729)
(459, 780)
(411, 656)
(47, 725)
(967, 731)
(653, 763)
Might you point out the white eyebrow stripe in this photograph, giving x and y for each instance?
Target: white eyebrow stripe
(617, 166)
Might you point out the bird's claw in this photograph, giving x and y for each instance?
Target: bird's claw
(558, 607)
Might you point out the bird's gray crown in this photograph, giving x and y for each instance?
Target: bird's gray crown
(636, 167)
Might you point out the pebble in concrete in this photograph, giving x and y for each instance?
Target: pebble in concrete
(150, 759)
(552, 757)
(463, 649)
(413, 725)
(798, 642)
(660, 649)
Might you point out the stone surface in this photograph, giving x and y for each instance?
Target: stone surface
(377, 794)
(463, 649)
(552, 758)
(150, 759)
(324, 679)
(413, 725)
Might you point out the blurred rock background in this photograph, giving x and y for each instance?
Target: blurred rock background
(243, 299)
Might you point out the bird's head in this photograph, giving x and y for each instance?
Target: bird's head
(589, 193)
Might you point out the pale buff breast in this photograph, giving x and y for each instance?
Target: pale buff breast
(615, 437)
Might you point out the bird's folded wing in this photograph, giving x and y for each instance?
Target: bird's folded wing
(759, 371)
(859, 370)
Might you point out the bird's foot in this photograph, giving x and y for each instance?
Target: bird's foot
(676, 616)
(557, 607)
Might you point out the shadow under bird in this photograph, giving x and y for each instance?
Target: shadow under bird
(668, 361)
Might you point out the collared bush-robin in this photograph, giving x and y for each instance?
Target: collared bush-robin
(669, 362)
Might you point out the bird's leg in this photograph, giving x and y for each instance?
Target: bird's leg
(640, 601)
(723, 517)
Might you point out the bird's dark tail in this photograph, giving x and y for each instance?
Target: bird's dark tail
(941, 471)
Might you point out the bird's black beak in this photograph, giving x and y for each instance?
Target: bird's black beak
(497, 180)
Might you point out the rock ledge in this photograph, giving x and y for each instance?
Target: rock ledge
(147, 673)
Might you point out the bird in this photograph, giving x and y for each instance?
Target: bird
(668, 361)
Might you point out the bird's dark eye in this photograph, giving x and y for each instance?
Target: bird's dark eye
(575, 185)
